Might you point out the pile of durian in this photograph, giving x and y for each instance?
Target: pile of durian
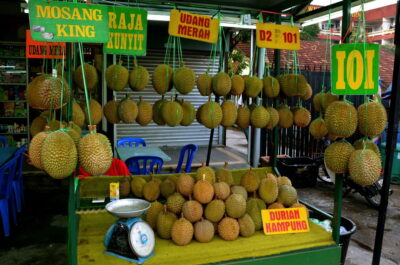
(362, 160)
(211, 204)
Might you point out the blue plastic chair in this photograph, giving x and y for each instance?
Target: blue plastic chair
(7, 204)
(3, 141)
(131, 142)
(191, 150)
(144, 165)
(18, 184)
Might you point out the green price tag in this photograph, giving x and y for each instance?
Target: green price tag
(128, 31)
(68, 22)
(355, 69)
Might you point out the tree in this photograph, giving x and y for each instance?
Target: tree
(310, 32)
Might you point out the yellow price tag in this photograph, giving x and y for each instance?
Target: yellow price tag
(277, 36)
(285, 221)
(193, 26)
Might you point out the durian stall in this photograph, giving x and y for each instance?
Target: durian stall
(226, 202)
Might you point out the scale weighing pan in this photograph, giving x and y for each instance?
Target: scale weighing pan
(127, 208)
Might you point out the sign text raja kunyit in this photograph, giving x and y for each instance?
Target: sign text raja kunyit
(68, 22)
(128, 31)
(285, 221)
(193, 26)
(277, 36)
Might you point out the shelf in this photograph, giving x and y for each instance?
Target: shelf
(21, 101)
(12, 57)
(12, 84)
(11, 133)
(13, 117)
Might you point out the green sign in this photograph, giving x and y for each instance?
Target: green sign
(68, 22)
(128, 31)
(355, 69)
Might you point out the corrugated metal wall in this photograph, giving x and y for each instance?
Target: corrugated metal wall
(163, 135)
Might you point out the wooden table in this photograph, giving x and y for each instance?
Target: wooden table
(126, 152)
(6, 154)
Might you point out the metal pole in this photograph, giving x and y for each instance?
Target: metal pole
(263, 131)
(337, 211)
(390, 144)
(276, 130)
(250, 129)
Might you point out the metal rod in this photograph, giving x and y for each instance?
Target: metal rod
(391, 142)
(210, 142)
(262, 146)
(275, 132)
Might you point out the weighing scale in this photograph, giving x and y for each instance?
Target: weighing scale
(129, 238)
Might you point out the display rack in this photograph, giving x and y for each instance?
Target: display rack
(14, 109)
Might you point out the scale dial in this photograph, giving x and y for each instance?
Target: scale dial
(141, 239)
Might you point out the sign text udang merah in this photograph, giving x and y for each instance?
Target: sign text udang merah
(68, 22)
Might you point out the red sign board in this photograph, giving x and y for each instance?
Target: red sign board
(42, 49)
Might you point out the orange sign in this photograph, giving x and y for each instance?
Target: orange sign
(193, 26)
(42, 49)
(285, 221)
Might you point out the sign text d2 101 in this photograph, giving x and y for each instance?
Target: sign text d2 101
(277, 36)
(355, 69)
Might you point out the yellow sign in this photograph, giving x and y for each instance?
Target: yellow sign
(193, 26)
(114, 191)
(285, 221)
(277, 36)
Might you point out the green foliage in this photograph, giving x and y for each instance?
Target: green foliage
(237, 62)
(310, 32)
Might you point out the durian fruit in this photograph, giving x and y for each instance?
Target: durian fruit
(204, 231)
(210, 114)
(172, 113)
(75, 136)
(271, 87)
(301, 117)
(76, 128)
(96, 112)
(111, 111)
(222, 190)
(185, 184)
(285, 117)
(138, 78)
(237, 85)
(157, 111)
(252, 106)
(235, 206)
(37, 125)
(287, 195)
(228, 229)
(151, 190)
(246, 226)
(152, 214)
(192, 210)
(359, 145)
(250, 181)
(124, 187)
(182, 232)
(253, 209)
(268, 189)
(174, 179)
(215, 210)
(253, 86)
(205, 172)
(308, 93)
(95, 153)
(167, 188)
(175, 203)
(35, 147)
(184, 80)
(204, 84)
(58, 155)
(145, 112)
(189, 113)
(221, 84)
(223, 174)
(276, 205)
(327, 99)
(203, 191)
(78, 116)
(44, 92)
(117, 77)
(331, 137)
(318, 128)
(282, 180)
(337, 156)
(91, 76)
(259, 117)
(229, 113)
(236, 189)
(364, 167)
(98, 62)
(137, 185)
(162, 79)
(317, 101)
(55, 125)
(273, 118)
(128, 110)
(372, 118)
(165, 221)
(341, 119)
(293, 85)
(243, 117)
